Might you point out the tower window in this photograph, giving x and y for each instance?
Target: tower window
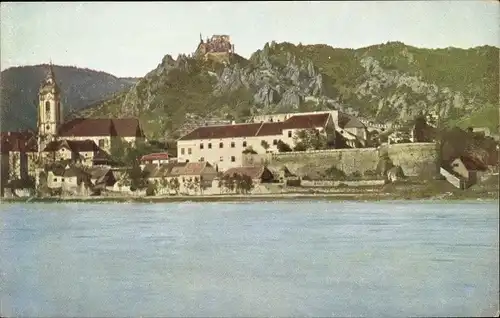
(47, 106)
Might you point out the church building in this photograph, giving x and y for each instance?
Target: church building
(82, 140)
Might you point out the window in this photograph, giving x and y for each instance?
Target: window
(233, 159)
(289, 134)
(275, 142)
(101, 143)
(47, 127)
(202, 159)
(182, 151)
(55, 179)
(187, 160)
(221, 145)
(244, 144)
(62, 180)
(221, 158)
(201, 146)
(232, 144)
(47, 106)
(189, 151)
(209, 145)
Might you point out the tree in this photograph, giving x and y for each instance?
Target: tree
(249, 150)
(283, 147)
(175, 185)
(246, 184)
(197, 185)
(264, 145)
(307, 139)
(164, 184)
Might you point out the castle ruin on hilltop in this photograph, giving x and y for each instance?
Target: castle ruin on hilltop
(219, 46)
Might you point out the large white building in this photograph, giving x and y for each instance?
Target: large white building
(348, 126)
(223, 145)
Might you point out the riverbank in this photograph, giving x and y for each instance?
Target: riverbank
(319, 196)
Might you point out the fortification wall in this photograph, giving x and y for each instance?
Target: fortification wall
(416, 159)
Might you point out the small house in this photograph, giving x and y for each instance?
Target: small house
(468, 168)
(259, 174)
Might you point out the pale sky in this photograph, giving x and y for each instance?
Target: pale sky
(131, 38)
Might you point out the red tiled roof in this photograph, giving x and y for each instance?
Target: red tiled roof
(270, 129)
(127, 127)
(22, 141)
(83, 127)
(73, 145)
(155, 156)
(258, 129)
(223, 131)
(471, 163)
(306, 121)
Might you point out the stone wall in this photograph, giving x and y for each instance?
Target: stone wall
(416, 159)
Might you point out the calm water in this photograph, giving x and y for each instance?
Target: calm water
(250, 259)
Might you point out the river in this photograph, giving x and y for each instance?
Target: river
(377, 259)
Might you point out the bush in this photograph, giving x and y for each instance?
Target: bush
(249, 150)
(283, 147)
(151, 189)
(335, 173)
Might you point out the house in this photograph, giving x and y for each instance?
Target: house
(353, 131)
(468, 168)
(181, 177)
(69, 179)
(82, 151)
(19, 153)
(259, 174)
(222, 145)
(101, 176)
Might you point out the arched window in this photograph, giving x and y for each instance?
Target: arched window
(47, 106)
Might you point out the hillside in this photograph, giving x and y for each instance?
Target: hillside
(80, 88)
(388, 82)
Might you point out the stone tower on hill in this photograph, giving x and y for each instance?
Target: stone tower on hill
(219, 47)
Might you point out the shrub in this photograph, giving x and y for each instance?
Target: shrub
(335, 173)
(283, 147)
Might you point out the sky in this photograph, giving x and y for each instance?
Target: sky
(131, 38)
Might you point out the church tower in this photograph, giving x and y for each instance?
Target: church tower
(49, 109)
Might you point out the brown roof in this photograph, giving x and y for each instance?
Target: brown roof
(22, 141)
(223, 131)
(155, 156)
(73, 145)
(178, 169)
(254, 172)
(306, 121)
(258, 129)
(471, 163)
(83, 127)
(270, 129)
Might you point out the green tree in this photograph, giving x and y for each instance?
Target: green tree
(264, 144)
(310, 139)
(283, 147)
(175, 185)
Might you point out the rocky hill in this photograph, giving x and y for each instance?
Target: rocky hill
(389, 82)
(80, 88)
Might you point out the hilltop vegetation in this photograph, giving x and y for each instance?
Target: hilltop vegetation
(391, 82)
